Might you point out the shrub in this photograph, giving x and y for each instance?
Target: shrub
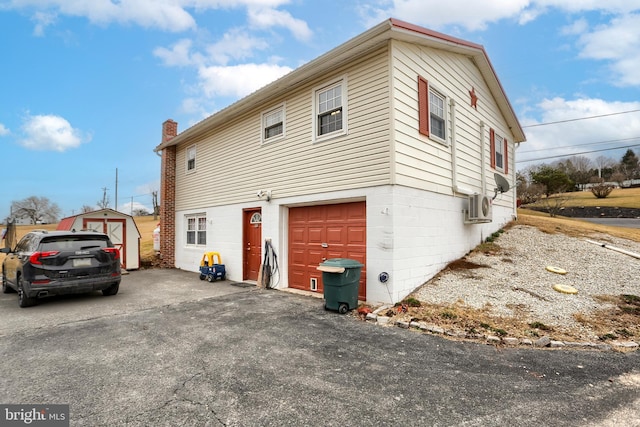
(601, 190)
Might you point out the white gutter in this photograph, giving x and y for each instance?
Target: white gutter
(483, 157)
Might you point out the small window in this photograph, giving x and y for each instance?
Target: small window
(196, 230)
(330, 110)
(436, 112)
(191, 158)
(273, 123)
(499, 152)
(256, 218)
(432, 112)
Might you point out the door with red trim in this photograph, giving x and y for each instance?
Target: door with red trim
(115, 228)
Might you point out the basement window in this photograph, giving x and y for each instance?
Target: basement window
(196, 230)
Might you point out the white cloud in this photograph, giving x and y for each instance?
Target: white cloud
(178, 55)
(4, 130)
(472, 15)
(167, 15)
(570, 136)
(238, 80)
(619, 43)
(236, 44)
(50, 133)
(269, 17)
(476, 15)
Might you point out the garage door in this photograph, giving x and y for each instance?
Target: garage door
(322, 232)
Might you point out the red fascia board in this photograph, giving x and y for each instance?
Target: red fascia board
(430, 33)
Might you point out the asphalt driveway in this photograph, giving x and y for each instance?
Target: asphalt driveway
(170, 350)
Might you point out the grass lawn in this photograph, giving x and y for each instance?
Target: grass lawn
(619, 198)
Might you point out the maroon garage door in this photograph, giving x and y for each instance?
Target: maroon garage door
(317, 233)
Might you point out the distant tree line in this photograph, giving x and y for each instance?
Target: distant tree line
(576, 173)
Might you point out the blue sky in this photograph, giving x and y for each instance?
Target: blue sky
(86, 85)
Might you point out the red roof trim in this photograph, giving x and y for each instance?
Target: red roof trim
(66, 223)
(424, 31)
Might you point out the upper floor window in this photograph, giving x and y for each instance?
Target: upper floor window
(273, 124)
(191, 158)
(330, 110)
(499, 152)
(432, 110)
(196, 230)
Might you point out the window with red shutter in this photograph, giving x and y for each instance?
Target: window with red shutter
(423, 106)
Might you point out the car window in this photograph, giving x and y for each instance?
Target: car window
(24, 245)
(73, 243)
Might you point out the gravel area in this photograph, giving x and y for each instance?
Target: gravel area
(515, 281)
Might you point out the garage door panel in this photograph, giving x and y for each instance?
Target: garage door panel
(342, 227)
(297, 234)
(335, 234)
(315, 234)
(356, 235)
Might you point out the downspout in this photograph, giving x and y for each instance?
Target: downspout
(514, 183)
(483, 172)
(454, 154)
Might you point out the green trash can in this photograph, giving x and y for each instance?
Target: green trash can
(341, 280)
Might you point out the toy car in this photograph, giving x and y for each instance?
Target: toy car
(211, 270)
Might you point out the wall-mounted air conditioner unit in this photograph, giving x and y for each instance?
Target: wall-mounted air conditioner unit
(479, 208)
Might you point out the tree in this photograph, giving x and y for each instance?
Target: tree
(87, 209)
(140, 212)
(618, 177)
(605, 166)
(579, 170)
(156, 207)
(526, 192)
(554, 180)
(36, 209)
(104, 203)
(629, 164)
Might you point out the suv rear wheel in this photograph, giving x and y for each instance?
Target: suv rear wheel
(111, 290)
(23, 300)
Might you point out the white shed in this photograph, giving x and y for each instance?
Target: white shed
(121, 229)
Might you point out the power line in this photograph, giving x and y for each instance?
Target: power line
(576, 154)
(581, 145)
(581, 118)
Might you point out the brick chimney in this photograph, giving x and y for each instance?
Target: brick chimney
(169, 130)
(168, 197)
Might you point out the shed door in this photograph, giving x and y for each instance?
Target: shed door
(115, 228)
(317, 233)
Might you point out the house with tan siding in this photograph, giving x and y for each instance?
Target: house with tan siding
(384, 150)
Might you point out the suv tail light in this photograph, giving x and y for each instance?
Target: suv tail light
(114, 251)
(37, 256)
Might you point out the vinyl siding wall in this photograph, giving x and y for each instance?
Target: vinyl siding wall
(424, 163)
(232, 164)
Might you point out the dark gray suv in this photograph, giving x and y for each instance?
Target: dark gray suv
(47, 263)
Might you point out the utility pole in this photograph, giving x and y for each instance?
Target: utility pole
(116, 188)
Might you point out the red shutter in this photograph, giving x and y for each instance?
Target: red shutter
(506, 157)
(492, 147)
(423, 106)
